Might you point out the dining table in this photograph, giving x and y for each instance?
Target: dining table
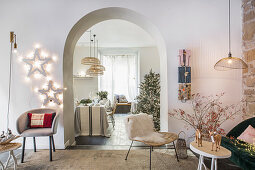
(91, 120)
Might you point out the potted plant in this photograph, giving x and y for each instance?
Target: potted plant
(85, 101)
(102, 94)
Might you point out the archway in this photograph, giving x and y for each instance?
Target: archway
(77, 31)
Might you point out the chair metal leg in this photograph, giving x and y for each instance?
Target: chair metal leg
(129, 150)
(23, 150)
(34, 144)
(150, 155)
(53, 144)
(50, 148)
(175, 152)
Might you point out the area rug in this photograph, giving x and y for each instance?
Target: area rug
(106, 160)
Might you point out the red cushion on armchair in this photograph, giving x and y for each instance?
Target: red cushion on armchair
(40, 120)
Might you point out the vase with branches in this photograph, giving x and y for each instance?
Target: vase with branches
(208, 113)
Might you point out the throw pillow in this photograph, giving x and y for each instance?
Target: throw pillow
(248, 135)
(122, 99)
(40, 120)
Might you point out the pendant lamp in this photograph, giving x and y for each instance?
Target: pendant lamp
(230, 62)
(90, 60)
(95, 69)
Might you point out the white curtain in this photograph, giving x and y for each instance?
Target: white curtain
(120, 76)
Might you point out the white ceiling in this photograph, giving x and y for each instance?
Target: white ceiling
(118, 33)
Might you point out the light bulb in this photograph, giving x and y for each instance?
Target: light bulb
(60, 97)
(229, 61)
(15, 51)
(54, 58)
(37, 46)
(36, 90)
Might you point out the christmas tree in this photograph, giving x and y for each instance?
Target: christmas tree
(148, 100)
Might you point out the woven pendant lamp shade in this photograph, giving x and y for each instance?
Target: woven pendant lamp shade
(94, 72)
(90, 61)
(97, 67)
(229, 63)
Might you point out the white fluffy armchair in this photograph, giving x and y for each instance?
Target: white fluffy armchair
(140, 127)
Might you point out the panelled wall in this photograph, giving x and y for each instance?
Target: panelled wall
(249, 55)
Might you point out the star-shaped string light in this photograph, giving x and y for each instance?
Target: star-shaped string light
(37, 63)
(51, 94)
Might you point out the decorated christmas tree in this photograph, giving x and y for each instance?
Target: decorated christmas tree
(148, 100)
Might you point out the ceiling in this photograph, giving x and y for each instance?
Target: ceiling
(118, 33)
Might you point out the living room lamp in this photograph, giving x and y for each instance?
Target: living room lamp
(90, 60)
(230, 62)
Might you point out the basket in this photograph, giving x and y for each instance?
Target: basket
(181, 147)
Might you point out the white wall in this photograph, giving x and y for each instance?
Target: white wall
(199, 25)
(82, 87)
(149, 59)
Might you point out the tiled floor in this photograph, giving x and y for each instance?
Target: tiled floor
(118, 135)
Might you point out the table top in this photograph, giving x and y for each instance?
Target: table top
(9, 147)
(206, 151)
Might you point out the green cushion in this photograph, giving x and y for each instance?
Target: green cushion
(238, 129)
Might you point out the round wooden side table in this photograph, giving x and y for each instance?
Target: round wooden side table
(205, 151)
(10, 147)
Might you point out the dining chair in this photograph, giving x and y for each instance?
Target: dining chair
(24, 130)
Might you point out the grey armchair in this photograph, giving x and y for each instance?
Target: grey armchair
(25, 131)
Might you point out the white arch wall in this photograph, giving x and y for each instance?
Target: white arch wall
(77, 31)
(199, 25)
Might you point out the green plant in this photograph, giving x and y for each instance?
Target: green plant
(102, 94)
(85, 101)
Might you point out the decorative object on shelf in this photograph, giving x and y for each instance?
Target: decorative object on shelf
(102, 94)
(199, 136)
(148, 101)
(230, 62)
(209, 112)
(216, 139)
(96, 69)
(37, 64)
(85, 101)
(51, 94)
(90, 60)
(184, 75)
(181, 147)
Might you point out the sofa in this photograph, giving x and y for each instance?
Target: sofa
(240, 156)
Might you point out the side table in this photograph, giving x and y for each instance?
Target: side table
(205, 151)
(10, 147)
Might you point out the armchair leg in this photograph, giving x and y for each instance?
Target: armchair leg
(151, 147)
(53, 144)
(129, 150)
(23, 150)
(34, 144)
(50, 148)
(175, 152)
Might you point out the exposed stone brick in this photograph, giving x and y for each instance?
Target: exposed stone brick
(249, 55)
(249, 16)
(250, 98)
(250, 82)
(249, 92)
(248, 31)
(251, 107)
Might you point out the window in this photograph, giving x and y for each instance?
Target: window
(121, 75)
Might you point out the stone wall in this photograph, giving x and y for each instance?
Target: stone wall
(249, 55)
